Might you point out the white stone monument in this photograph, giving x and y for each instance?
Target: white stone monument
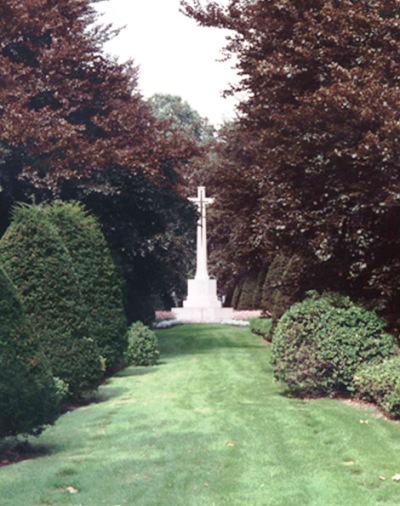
(202, 304)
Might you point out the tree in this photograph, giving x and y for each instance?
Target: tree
(151, 232)
(182, 118)
(74, 125)
(315, 160)
(39, 265)
(28, 396)
(100, 283)
(184, 128)
(66, 108)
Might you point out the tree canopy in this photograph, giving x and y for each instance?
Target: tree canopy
(65, 106)
(73, 125)
(313, 161)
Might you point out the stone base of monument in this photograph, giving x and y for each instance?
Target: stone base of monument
(202, 304)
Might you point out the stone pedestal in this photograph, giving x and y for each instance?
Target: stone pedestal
(202, 304)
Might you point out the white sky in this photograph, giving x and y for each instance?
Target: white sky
(174, 54)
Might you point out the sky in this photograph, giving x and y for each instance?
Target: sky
(174, 54)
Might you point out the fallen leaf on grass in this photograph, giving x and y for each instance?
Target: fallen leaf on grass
(396, 477)
(229, 444)
(71, 490)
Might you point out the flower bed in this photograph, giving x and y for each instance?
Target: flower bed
(167, 319)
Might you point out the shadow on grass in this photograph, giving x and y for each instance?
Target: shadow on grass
(107, 393)
(13, 450)
(135, 371)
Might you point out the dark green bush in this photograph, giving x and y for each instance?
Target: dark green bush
(100, 283)
(142, 345)
(380, 384)
(28, 394)
(35, 258)
(257, 294)
(236, 294)
(319, 343)
(261, 327)
(282, 284)
(246, 296)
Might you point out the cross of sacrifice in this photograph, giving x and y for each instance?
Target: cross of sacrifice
(201, 258)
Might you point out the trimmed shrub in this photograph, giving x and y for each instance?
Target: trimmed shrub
(257, 294)
(246, 296)
(100, 284)
(380, 384)
(261, 327)
(319, 343)
(28, 394)
(282, 284)
(142, 345)
(236, 294)
(35, 258)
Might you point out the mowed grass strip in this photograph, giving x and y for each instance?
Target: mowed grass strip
(209, 426)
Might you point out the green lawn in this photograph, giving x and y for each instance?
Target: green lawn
(209, 426)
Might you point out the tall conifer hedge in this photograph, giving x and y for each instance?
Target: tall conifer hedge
(100, 283)
(41, 268)
(28, 397)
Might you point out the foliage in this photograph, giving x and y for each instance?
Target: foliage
(283, 284)
(380, 384)
(150, 230)
(319, 343)
(188, 132)
(257, 295)
(261, 327)
(100, 284)
(234, 299)
(181, 117)
(142, 345)
(247, 293)
(67, 108)
(73, 125)
(41, 268)
(28, 397)
(311, 165)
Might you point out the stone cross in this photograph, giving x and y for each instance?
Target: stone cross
(201, 259)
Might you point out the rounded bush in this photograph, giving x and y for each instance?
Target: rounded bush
(142, 345)
(319, 343)
(380, 384)
(28, 394)
(100, 283)
(39, 265)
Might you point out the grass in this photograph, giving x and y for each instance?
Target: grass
(208, 426)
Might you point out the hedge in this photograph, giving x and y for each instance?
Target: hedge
(380, 383)
(246, 296)
(41, 268)
(142, 345)
(100, 283)
(28, 394)
(261, 327)
(319, 343)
